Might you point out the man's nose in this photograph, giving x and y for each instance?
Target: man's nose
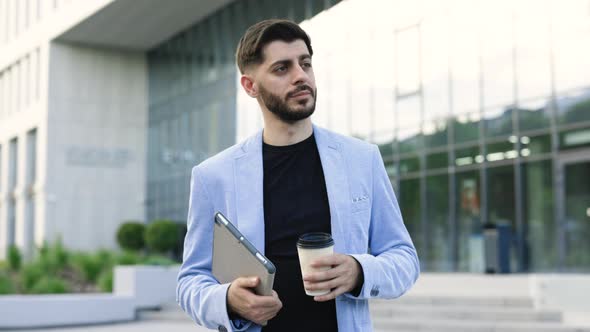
(299, 75)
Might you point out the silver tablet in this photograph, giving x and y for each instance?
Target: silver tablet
(234, 256)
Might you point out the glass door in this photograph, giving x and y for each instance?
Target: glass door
(575, 211)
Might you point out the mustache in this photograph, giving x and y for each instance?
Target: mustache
(299, 89)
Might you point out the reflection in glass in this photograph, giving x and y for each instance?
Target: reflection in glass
(465, 58)
(438, 255)
(435, 69)
(538, 216)
(408, 112)
(468, 156)
(391, 168)
(571, 43)
(501, 195)
(469, 228)
(409, 164)
(435, 134)
(573, 139)
(577, 216)
(411, 207)
(497, 42)
(410, 140)
(501, 150)
(498, 122)
(534, 114)
(407, 65)
(437, 160)
(574, 107)
(533, 71)
(385, 143)
(466, 128)
(535, 145)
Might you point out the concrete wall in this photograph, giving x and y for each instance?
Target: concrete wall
(97, 120)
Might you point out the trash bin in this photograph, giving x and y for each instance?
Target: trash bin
(497, 244)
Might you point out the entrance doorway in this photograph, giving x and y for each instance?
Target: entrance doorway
(573, 210)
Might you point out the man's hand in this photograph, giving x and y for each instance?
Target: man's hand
(342, 277)
(242, 301)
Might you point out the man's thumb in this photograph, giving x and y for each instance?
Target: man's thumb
(253, 281)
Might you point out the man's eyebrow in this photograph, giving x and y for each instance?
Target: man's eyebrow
(286, 62)
(280, 62)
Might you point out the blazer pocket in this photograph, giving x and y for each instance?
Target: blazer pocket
(361, 203)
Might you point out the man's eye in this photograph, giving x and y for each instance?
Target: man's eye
(281, 69)
(307, 64)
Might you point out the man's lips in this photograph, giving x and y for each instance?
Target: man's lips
(302, 91)
(300, 94)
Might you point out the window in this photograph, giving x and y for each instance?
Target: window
(438, 254)
(574, 107)
(469, 228)
(539, 215)
(31, 157)
(571, 44)
(497, 64)
(533, 71)
(534, 114)
(407, 51)
(498, 122)
(466, 128)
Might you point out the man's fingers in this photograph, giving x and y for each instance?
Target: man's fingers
(330, 284)
(266, 301)
(330, 296)
(328, 260)
(324, 275)
(247, 282)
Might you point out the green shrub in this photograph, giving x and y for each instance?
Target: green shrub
(158, 260)
(105, 259)
(105, 281)
(127, 258)
(161, 236)
(87, 265)
(177, 252)
(49, 285)
(30, 275)
(53, 258)
(3, 265)
(130, 235)
(15, 258)
(6, 284)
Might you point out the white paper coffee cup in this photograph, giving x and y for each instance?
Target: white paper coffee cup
(311, 246)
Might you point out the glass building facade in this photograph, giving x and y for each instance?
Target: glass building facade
(481, 111)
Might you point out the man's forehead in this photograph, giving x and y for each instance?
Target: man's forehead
(281, 50)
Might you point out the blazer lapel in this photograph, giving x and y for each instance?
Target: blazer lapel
(334, 167)
(248, 172)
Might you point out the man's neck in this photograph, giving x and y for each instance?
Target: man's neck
(280, 133)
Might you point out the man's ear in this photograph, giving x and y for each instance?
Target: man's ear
(249, 86)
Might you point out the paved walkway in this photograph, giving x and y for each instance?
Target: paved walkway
(138, 326)
(170, 318)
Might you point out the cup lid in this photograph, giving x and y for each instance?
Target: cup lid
(315, 240)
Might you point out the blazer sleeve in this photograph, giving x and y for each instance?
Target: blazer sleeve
(391, 267)
(198, 293)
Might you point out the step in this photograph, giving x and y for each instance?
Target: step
(458, 312)
(164, 314)
(436, 325)
(511, 302)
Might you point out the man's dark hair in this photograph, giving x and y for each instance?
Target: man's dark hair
(250, 47)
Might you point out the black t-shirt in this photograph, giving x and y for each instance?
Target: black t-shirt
(295, 202)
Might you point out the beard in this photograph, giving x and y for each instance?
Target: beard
(276, 105)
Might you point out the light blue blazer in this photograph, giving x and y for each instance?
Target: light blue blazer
(365, 218)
